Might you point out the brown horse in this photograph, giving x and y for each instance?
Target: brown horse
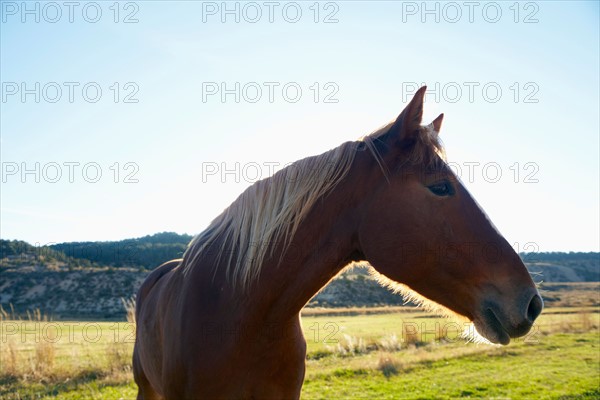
(224, 321)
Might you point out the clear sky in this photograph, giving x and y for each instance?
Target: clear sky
(144, 93)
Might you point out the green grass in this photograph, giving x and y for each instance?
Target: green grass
(346, 359)
(561, 365)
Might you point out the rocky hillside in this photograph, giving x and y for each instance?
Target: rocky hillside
(65, 286)
(63, 293)
(580, 267)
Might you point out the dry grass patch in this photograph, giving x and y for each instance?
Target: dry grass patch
(388, 365)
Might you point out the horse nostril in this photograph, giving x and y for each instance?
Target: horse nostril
(535, 308)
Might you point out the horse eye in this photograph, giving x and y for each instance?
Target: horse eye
(442, 189)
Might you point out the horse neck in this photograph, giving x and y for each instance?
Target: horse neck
(325, 242)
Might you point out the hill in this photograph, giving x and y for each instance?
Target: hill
(564, 267)
(147, 252)
(89, 279)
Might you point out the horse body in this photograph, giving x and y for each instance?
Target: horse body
(231, 344)
(210, 329)
(219, 353)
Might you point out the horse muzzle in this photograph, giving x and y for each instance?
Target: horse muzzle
(498, 321)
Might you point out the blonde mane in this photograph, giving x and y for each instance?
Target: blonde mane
(270, 211)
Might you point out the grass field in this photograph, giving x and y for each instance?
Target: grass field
(395, 353)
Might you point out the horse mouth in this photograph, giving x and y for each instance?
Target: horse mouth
(490, 327)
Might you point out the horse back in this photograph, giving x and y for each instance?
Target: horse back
(147, 354)
(151, 280)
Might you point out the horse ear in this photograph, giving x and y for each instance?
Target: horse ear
(406, 127)
(437, 123)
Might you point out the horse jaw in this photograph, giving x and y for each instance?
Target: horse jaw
(476, 331)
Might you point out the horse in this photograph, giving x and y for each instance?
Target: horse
(224, 321)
